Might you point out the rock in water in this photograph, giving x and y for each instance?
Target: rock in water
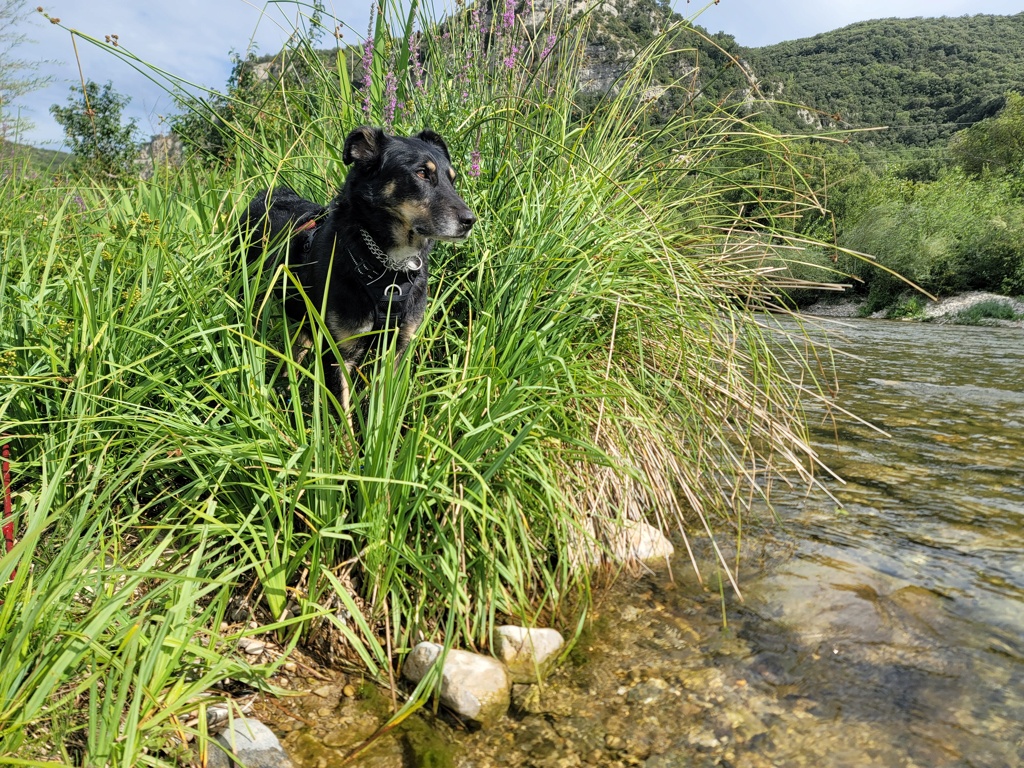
(250, 743)
(637, 540)
(475, 687)
(528, 653)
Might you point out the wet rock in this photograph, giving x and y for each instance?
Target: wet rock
(648, 692)
(537, 738)
(530, 699)
(614, 742)
(528, 653)
(673, 759)
(702, 680)
(475, 687)
(636, 540)
(249, 743)
(626, 541)
(703, 740)
(338, 737)
(586, 734)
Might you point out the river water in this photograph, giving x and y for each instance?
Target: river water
(882, 628)
(901, 610)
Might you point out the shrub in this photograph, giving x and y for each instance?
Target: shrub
(994, 309)
(955, 234)
(100, 143)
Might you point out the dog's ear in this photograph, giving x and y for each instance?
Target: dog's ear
(432, 138)
(363, 145)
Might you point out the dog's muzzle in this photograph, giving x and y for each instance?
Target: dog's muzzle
(466, 220)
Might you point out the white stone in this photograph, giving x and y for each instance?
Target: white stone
(475, 687)
(251, 647)
(528, 653)
(250, 743)
(634, 540)
(626, 541)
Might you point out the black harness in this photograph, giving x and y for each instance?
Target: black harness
(391, 303)
(389, 297)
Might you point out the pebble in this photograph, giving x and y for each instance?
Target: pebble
(647, 692)
(251, 647)
(337, 738)
(527, 652)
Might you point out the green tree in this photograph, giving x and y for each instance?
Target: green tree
(17, 76)
(100, 143)
(994, 145)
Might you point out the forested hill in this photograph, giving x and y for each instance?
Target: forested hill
(924, 78)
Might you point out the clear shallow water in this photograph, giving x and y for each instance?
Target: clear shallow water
(902, 607)
(885, 628)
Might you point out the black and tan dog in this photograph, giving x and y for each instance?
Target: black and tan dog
(363, 259)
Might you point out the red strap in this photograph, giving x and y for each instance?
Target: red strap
(8, 514)
(311, 224)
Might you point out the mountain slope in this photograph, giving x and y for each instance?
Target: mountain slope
(924, 78)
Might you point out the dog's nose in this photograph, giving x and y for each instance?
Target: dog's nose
(466, 220)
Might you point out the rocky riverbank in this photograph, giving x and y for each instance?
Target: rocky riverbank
(952, 309)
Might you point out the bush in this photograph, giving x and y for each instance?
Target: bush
(955, 234)
(979, 313)
(100, 144)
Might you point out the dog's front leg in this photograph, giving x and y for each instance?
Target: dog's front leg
(406, 331)
(352, 350)
(301, 346)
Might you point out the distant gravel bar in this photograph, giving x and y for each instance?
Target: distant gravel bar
(941, 311)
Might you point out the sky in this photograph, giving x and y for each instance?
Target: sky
(192, 39)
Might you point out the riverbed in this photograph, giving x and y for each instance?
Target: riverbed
(881, 627)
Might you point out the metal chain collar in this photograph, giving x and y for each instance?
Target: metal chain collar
(374, 248)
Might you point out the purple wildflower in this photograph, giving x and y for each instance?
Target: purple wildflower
(367, 62)
(390, 99)
(474, 163)
(367, 74)
(417, 65)
(510, 60)
(509, 17)
(548, 46)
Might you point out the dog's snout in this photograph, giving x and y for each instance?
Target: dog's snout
(466, 220)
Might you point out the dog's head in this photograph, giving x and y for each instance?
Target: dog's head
(412, 179)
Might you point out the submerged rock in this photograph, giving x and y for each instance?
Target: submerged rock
(625, 541)
(532, 700)
(528, 653)
(475, 687)
(250, 743)
(648, 692)
(636, 540)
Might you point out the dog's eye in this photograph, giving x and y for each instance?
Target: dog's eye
(423, 173)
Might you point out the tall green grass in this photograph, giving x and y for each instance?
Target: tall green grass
(592, 355)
